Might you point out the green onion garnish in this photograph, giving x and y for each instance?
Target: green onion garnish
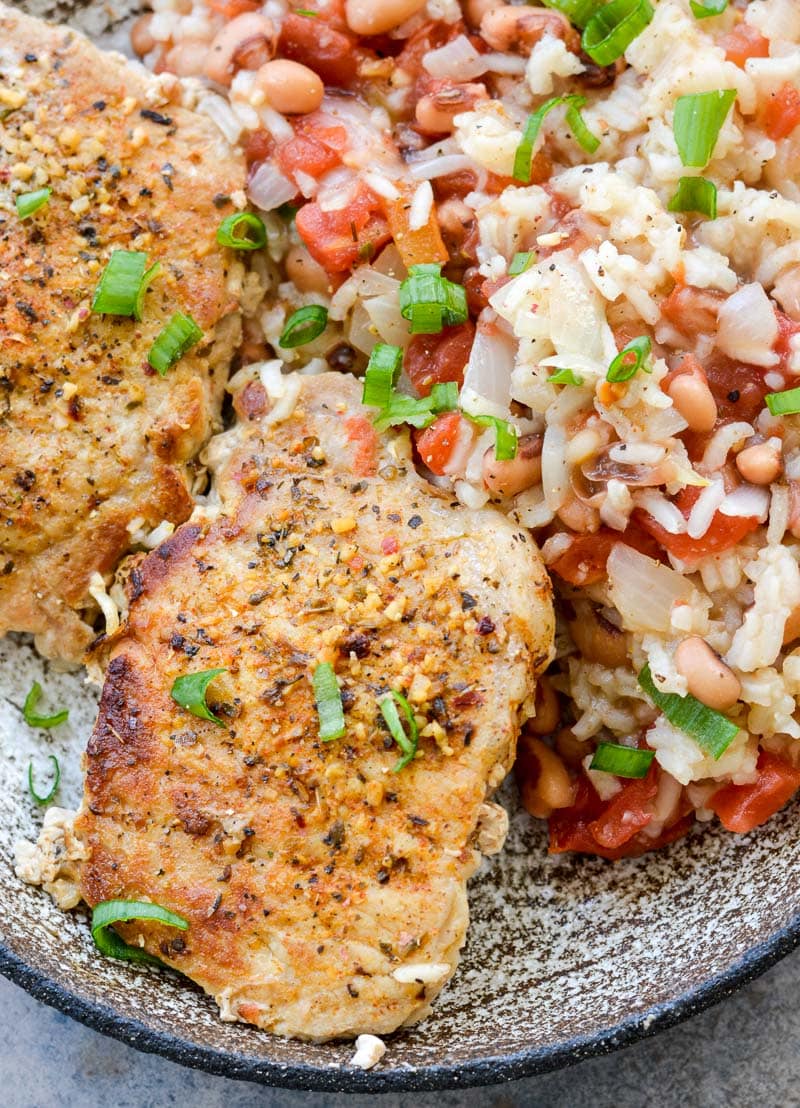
(505, 435)
(630, 360)
(30, 202)
(306, 12)
(407, 742)
(329, 703)
(108, 942)
(242, 231)
(622, 761)
(520, 262)
(383, 369)
(702, 9)
(190, 692)
(524, 152)
(695, 194)
(29, 710)
(712, 731)
(430, 302)
(123, 284)
(613, 28)
(179, 336)
(304, 325)
(697, 123)
(565, 377)
(578, 12)
(419, 413)
(784, 403)
(53, 787)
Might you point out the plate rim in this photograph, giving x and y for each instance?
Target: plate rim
(491, 1070)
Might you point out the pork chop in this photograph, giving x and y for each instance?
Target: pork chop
(94, 445)
(325, 888)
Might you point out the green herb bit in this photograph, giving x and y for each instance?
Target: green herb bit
(28, 203)
(408, 742)
(190, 690)
(383, 370)
(612, 29)
(505, 435)
(430, 302)
(697, 122)
(303, 326)
(109, 912)
(520, 262)
(622, 761)
(328, 698)
(783, 403)
(242, 231)
(29, 710)
(175, 340)
(702, 9)
(53, 788)
(712, 731)
(630, 360)
(695, 194)
(123, 283)
(565, 377)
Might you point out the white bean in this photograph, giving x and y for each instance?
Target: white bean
(290, 88)
(708, 679)
(375, 17)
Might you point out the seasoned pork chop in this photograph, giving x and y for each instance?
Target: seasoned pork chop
(94, 445)
(325, 891)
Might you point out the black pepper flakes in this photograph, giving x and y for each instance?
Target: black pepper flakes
(415, 522)
(156, 117)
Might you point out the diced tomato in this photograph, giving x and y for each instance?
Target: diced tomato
(231, 8)
(314, 149)
(693, 311)
(361, 432)
(744, 42)
(431, 359)
(430, 36)
(781, 113)
(329, 52)
(743, 807)
(422, 246)
(339, 239)
(787, 329)
(584, 562)
(435, 444)
(258, 145)
(723, 532)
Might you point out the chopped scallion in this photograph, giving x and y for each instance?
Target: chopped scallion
(565, 377)
(524, 152)
(328, 699)
(630, 360)
(190, 692)
(53, 788)
(695, 194)
(712, 731)
(29, 710)
(578, 12)
(697, 123)
(303, 326)
(28, 203)
(242, 231)
(702, 9)
(383, 369)
(407, 741)
(520, 262)
(123, 283)
(418, 412)
(784, 403)
(575, 121)
(622, 761)
(612, 29)
(179, 336)
(108, 942)
(430, 302)
(505, 435)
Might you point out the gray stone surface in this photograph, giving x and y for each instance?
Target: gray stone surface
(740, 1054)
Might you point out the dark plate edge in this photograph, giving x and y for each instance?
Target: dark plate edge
(487, 1071)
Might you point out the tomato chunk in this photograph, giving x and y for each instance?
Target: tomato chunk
(781, 113)
(431, 359)
(436, 443)
(231, 8)
(723, 532)
(315, 149)
(584, 562)
(362, 434)
(744, 42)
(339, 239)
(313, 42)
(743, 807)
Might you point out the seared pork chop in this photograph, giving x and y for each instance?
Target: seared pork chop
(324, 887)
(94, 445)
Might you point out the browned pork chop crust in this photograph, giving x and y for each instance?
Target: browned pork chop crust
(325, 892)
(93, 444)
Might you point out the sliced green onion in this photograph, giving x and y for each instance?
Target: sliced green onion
(575, 121)
(613, 28)
(179, 336)
(28, 203)
(407, 742)
(784, 403)
(152, 272)
(630, 360)
(578, 12)
(304, 325)
(29, 710)
(697, 123)
(383, 369)
(505, 435)
(120, 289)
(622, 761)
(520, 262)
(565, 377)
(307, 12)
(702, 9)
(695, 194)
(418, 412)
(108, 942)
(430, 302)
(712, 731)
(524, 152)
(328, 698)
(190, 692)
(53, 787)
(242, 231)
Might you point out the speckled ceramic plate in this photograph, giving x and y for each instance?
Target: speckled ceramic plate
(566, 956)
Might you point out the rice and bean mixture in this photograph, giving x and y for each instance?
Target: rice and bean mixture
(602, 336)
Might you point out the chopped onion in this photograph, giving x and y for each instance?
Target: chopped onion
(363, 283)
(283, 390)
(511, 64)
(643, 591)
(278, 125)
(384, 311)
(705, 508)
(487, 377)
(747, 327)
(268, 188)
(748, 501)
(457, 59)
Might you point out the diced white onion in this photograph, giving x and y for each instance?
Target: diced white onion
(457, 59)
(278, 125)
(511, 64)
(268, 188)
(487, 377)
(283, 390)
(307, 184)
(363, 283)
(747, 500)
(747, 327)
(644, 591)
(384, 311)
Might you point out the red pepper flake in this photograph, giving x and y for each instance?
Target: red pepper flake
(485, 627)
(361, 432)
(390, 545)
